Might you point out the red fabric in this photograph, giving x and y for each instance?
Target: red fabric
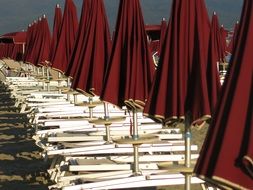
(215, 56)
(9, 50)
(230, 137)
(43, 41)
(30, 52)
(162, 35)
(41, 45)
(154, 46)
(232, 42)
(35, 48)
(14, 37)
(29, 42)
(131, 68)
(56, 31)
(6, 50)
(17, 53)
(1, 50)
(224, 46)
(78, 50)
(94, 56)
(216, 39)
(180, 84)
(68, 31)
(149, 28)
(14, 44)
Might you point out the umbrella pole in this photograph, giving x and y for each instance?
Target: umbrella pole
(107, 126)
(135, 136)
(90, 108)
(48, 79)
(43, 75)
(59, 83)
(68, 94)
(188, 137)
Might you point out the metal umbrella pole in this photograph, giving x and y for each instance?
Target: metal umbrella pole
(135, 136)
(188, 137)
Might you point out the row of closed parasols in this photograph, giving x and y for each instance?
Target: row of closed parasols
(184, 86)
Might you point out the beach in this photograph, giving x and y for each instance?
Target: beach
(21, 166)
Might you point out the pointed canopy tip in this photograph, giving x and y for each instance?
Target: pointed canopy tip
(237, 22)
(214, 13)
(44, 16)
(57, 5)
(163, 19)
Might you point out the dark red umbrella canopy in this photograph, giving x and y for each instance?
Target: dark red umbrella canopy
(68, 31)
(9, 49)
(162, 34)
(131, 68)
(29, 41)
(224, 34)
(232, 42)
(14, 37)
(79, 44)
(94, 56)
(214, 57)
(30, 52)
(6, 50)
(40, 47)
(216, 38)
(43, 41)
(180, 84)
(226, 158)
(14, 44)
(17, 52)
(56, 30)
(1, 50)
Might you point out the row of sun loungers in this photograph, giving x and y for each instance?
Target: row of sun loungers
(85, 148)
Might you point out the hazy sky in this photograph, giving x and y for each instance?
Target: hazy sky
(15, 15)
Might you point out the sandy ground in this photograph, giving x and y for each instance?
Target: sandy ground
(21, 166)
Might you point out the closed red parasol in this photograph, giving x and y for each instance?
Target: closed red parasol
(180, 84)
(130, 71)
(40, 47)
(43, 42)
(68, 30)
(226, 158)
(180, 89)
(215, 56)
(162, 35)
(232, 42)
(56, 30)
(29, 41)
(79, 42)
(224, 46)
(93, 58)
(131, 68)
(17, 52)
(31, 51)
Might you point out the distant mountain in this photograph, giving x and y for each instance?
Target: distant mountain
(16, 15)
